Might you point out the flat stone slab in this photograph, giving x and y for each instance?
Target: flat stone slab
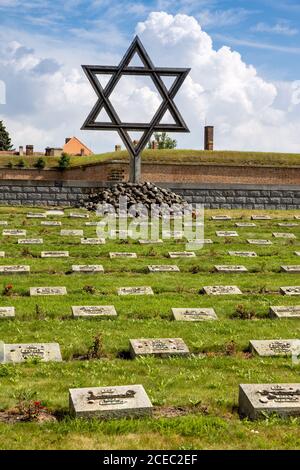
(172, 234)
(3, 222)
(71, 233)
(36, 215)
(93, 311)
(2, 254)
(92, 241)
(285, 311)
(291, 269)
(7, 312)
(150, 242)
(221, 217)
(290, 290)
(92, 224)
(55, 212)
(109, 402)
(194, 314)
(21, 352)
(284, 235)
(51, 223)
(261, 217)
(162, 347)
(221, 290)
(74, 215)
(14, 233)
(87, 268)
(48, 291)
(205, 241)
(230, 269)
(19, 269)
(120, 233)
(259, 241)
(245, 224)
(297, 217)
(54, 254)
(226, 233)
(297, 253)
(163, 268)
(121, 254)
(275, 347)
(243, 254)
(30, 241)
(257, 400)
(143, 290)
(182, 254)
(288, 224)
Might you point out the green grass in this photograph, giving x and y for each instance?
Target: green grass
(199, 157)
(211, 379)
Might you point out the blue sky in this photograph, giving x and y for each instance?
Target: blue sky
(250, 97)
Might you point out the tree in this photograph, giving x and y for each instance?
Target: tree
(5, 141)
(164, 141)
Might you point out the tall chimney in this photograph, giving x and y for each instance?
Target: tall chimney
(29, 149)
(208, 137)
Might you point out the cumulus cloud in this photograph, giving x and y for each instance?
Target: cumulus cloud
(49, 97)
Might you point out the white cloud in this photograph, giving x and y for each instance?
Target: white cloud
(222, 17)
(281, 28)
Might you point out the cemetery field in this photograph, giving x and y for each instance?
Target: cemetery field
(195, 398)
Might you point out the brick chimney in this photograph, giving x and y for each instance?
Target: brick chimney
(118, 148)
(29, 149)
(208, 137)
(154, 145)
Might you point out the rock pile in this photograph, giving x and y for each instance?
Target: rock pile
(145, 194)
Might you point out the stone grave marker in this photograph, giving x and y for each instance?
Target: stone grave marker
(14, 353)
(230, 269)
(221, 217)
(244, 254)
(182, 254)
(172, 234)
(245, 224)
(261, 217)
(54, 254)
(258, 400)
(288, 224)
(275, 347)
(120, 233)
(122, 254)
(162, 268)
(291, 269)
(48, 291)
(94, 311)
(162, 347)
(221, 290)
(290, 290)
(88, 268)
(54, 212)
(7, 312)
(74, 215)
(93, 224)
(51, 223)
(194, 314)
(109, 402)
(71, 233)
(226, 233)
(284, 235)
(3, 222)
(297, 217)
(92, 241)
(205, 241)
(252, 241)
(297, 253)
(36, 215)
(14, 233)
(19, 269)
(30, 241)
(143, 290)
(285, 311)
(2, 254)
(150, 242)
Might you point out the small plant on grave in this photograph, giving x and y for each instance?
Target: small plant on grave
(96, 351)
(21, 163)
(230, 348)
(8, 290)
(195, 269)
(40, 163)
(25, 252)
(89, 289)
(29, 408)
(243, 313)
(40, 313)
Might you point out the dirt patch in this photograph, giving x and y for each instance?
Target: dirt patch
(13, 416)
(176, 411)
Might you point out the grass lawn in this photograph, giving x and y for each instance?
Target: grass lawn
(200, 157)
(195, 398)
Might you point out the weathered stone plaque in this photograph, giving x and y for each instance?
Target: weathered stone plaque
(205, 241)
(21, 352)
(182, 254)
(297, 253)
(245, 224)
(48, 291)
(3, 222)
(92, 241)
(221, 217)
(252, 241)
(150, 242)
(109, 402)
(284, 235)
(71, 233)
(87, 268)
(51, 223)
(172, 234)
(2, 254)
(230, 269)
(194, 314)
(288, 224)
(243, 254)
(92, 224)
(54, 254)
(276, 347)
(30, 241)
(162, 347)
(290, 290)
(14, 233)
(291, 269)
(74, 215)
(94, 311)
(120, 233)
(226, 233)
(14, 269)
(221, 290)
(163, 268)
(135, 290)
(122, 254)
(55, 212)
(257, 400)
(261, 217)
(285, 312)
(36, 215)
(7, 312)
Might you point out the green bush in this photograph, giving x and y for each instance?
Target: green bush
(64, 161)
(10, 164)
(21, 163)
(40, 163)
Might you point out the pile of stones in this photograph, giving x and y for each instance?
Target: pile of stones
(146, 194)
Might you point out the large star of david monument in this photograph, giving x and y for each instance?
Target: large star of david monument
(123, 128)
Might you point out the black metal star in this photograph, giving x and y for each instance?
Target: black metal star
(147, 70)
